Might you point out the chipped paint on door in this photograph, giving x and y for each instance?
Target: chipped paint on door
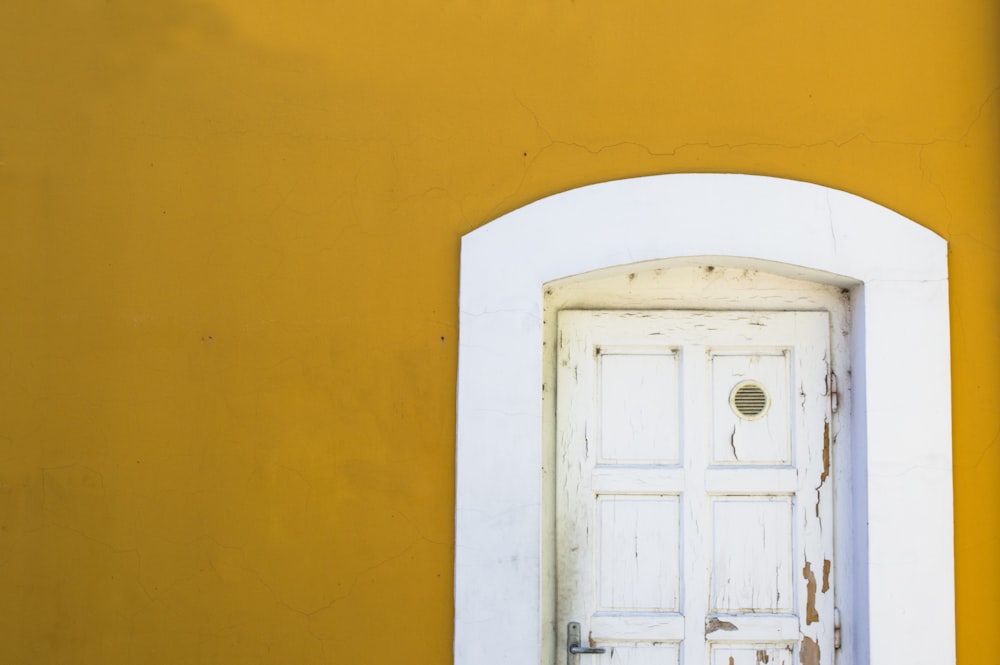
(694, 512)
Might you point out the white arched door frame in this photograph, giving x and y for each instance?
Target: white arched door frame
(899, 357)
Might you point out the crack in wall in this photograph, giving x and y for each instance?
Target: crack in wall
(551, 142)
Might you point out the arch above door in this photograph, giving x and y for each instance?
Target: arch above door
(895, 273)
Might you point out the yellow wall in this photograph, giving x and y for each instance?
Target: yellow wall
(229, 268)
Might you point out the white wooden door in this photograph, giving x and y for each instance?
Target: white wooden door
(693, 497)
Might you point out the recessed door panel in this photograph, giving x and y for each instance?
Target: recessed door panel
(751, 421)
(638, 408)
(639, 553)
(751, 556)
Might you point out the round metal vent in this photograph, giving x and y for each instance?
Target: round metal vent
(749, 400)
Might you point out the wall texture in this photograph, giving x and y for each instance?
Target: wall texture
(230, 278)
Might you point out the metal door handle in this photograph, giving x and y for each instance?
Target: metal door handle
(573, 647)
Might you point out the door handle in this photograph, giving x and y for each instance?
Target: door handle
(573, 647)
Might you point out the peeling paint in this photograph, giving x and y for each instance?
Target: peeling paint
(714, 624)
(826, 575)
(812, 615)
(826, 452)
(809, 652)
(732, 661)
(826, 462)
(762, 657)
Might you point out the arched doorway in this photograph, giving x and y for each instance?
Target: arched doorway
(895, 309)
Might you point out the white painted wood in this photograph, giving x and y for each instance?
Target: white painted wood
(775, 243)
(761, 481)
(638, 553)
(752, 555)
(637, 654)
(637, 479)
(766, 439)
(623, 559)
(758, 628)
(639, 418)
(752, 654)
(686, 287)
(609, 628)
(697, 424)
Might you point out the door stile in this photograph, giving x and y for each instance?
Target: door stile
(814, 510)
(574, 577)
(695, 416)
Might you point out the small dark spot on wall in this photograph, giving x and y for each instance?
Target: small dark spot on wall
(524, 154)
(631, 276)
(709, 268)
(207, 338)
(442, 338)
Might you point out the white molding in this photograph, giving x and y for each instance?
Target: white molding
(901, 425)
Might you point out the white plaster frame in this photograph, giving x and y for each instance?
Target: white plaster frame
(901, 415)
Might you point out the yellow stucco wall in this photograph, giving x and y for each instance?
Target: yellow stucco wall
(230, 276)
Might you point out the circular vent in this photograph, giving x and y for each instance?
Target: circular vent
(749, 400)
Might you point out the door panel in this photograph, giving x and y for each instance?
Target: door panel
(638, 552)
(638, 403)
(765, 438)
(692, 493)
(751, 554)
